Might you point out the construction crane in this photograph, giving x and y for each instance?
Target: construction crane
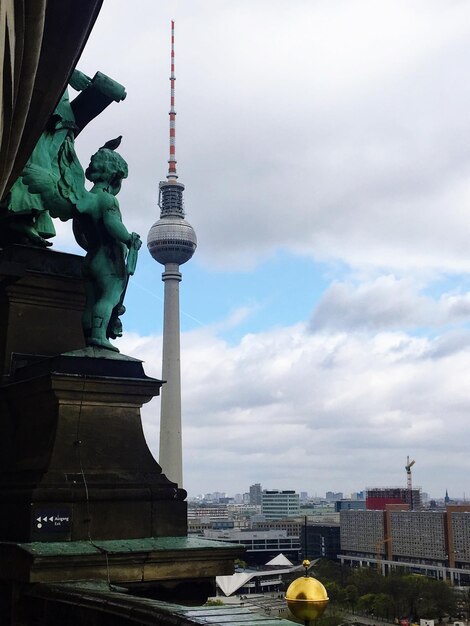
(378, 546)
(409, 485)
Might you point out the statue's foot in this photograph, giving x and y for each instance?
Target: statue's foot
(37, 240)
(27, 233)
(101, 343)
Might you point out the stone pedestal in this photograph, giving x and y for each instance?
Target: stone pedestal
(41, 304)
(82, 496)
(78, 453)
(74, 463)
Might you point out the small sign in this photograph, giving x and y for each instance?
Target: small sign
(51, 522)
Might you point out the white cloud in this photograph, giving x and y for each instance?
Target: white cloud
(386, 302)
(312, 411)
(236, 317)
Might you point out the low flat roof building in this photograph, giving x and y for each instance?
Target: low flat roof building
(260, 545)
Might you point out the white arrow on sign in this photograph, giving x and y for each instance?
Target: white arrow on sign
(51, 519)
(38, 519)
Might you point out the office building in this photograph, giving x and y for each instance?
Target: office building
(255, 494)
(279, 504)
(320, 541)
(331, 496)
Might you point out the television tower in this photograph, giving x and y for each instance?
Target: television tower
(171, 241)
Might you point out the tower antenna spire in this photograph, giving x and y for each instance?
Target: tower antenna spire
(172, 175)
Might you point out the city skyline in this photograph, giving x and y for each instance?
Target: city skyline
(324, 151)
(316, 495)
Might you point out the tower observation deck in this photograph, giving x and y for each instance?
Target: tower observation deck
(171, 241)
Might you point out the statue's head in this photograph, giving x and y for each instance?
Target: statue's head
(107, 166)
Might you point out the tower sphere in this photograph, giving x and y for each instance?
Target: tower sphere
(172, 240)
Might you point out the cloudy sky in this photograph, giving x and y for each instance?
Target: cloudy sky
(325, 149)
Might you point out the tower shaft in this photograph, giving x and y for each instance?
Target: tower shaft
(171, 457)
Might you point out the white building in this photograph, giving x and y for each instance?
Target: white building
(279, 504)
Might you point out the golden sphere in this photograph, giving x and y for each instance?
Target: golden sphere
(307, 598)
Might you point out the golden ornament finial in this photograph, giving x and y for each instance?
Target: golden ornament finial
(306, 597)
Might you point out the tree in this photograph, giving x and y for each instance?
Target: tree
(398, 595)
(464, 602)
(439, 597)
(335, 592)
(328, 570)
(352, 595)
(366, 603)
(366, 580)
(414, 585)
(383, 605)
(396, 588)
(428, 598)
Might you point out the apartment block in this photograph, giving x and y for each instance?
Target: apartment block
(361, 531)
(432, 542)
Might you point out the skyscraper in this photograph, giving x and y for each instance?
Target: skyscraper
(171, 241)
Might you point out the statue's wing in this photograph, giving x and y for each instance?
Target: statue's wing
(41, 181)
(71, 183)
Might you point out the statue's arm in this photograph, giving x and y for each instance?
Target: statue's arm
(96, 94)
(79, 81)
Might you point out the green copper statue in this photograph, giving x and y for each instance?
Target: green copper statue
(111, 251)
(52, 185)
(24, 217)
